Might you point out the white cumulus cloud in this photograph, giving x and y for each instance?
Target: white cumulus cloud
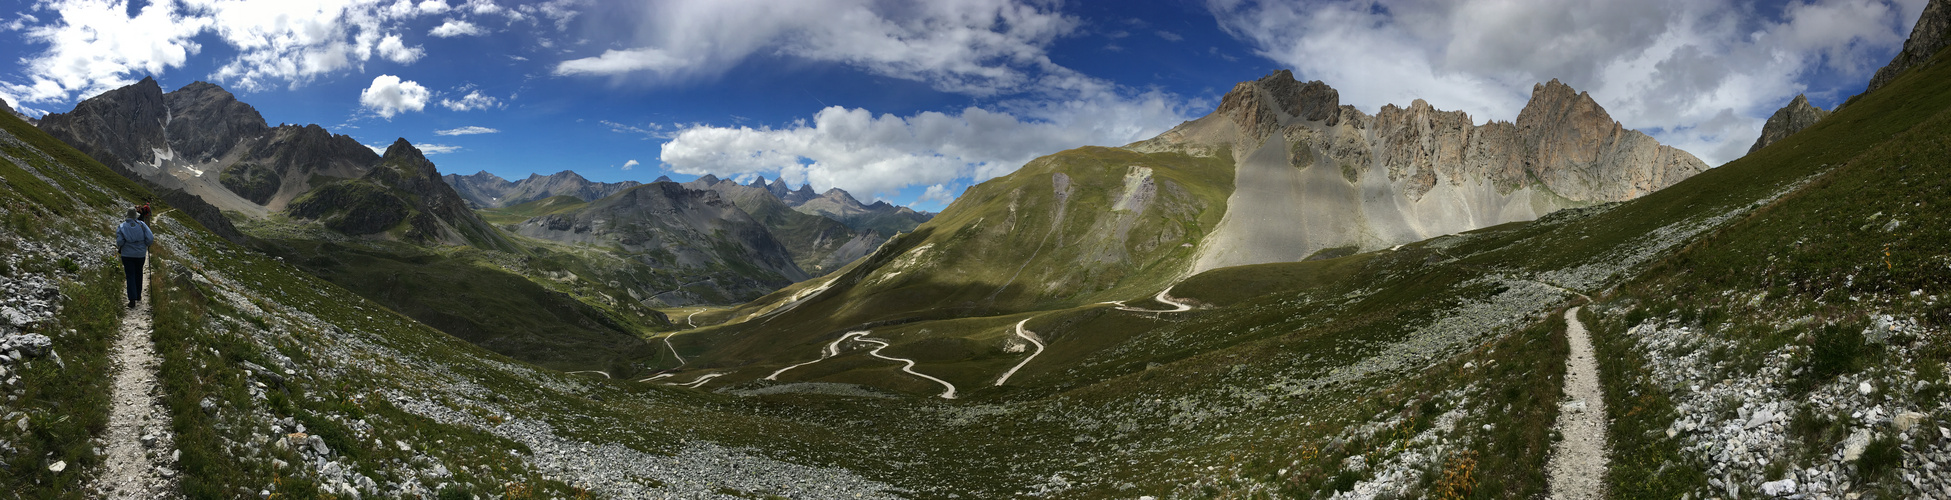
(389, 96)
(472, 101)
(95, 46)
(454, 27)
(1697, 74)
(976, 47)
(468, 130)
(393, 48)
(435, 149)
(856, 150)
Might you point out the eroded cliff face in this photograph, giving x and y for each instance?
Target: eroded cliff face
(1349, 179)
(1794, 117)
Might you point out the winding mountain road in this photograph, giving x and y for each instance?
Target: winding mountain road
(1026, 335)
(1163, 297)
(699, 382)
(832, 349)
(908, 366)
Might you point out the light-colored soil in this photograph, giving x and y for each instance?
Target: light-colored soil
(1578, 462)
(140, 448)
(1026, 335)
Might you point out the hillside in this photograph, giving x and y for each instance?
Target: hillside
(701, 246)
(1317, 181)
(1780, 317)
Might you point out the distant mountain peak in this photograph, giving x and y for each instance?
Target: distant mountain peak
(1794, 117)
(662, 178)
(403, 150)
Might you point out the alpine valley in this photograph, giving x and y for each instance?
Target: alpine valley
(1288, 297)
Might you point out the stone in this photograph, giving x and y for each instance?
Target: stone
(32, 344)
(1865, 388)
(57, 466)
(1355, 463)
(1853, 446)
(15, 317)
(318, 446)
(1784, 487)
(1907, 420)
(1761, 417)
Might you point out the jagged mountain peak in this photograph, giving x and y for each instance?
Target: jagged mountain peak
(662, 178)
(1794, 117)
(404, 151)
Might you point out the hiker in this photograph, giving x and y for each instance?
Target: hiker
(132, 239)
(144, 209)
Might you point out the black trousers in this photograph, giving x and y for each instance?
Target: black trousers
(132, 269)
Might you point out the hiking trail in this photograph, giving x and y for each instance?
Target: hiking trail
(1578, 462)
(140, 457)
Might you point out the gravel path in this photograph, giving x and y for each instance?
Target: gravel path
(138, 441)
(1026, 335)
(831, 350)
(1163, 297)
(1578, 462)
(908, 366)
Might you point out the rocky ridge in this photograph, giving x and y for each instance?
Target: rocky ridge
(1406, 173)
(486, 190)
(1931, 33)
(1794, 117)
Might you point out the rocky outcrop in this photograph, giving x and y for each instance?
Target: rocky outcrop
(1794, 117)
(486, 190)
(1580, 153)
(205, 121)
(118, 127)
(1931, 33)
(1313, 174)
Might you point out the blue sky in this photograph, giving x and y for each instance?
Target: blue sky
(912, 102)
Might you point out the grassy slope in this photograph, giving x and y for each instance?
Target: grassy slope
(55, 195)
(1825, 258)
(1241, 399)
(1001, 249)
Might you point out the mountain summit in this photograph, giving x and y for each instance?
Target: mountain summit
(1312, 174)
(1794, 117)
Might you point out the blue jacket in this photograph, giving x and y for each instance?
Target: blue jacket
(134, 238)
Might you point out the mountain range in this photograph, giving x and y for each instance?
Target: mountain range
(1167, 319)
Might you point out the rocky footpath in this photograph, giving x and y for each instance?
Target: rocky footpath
(394, 368)
(1740, 423)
